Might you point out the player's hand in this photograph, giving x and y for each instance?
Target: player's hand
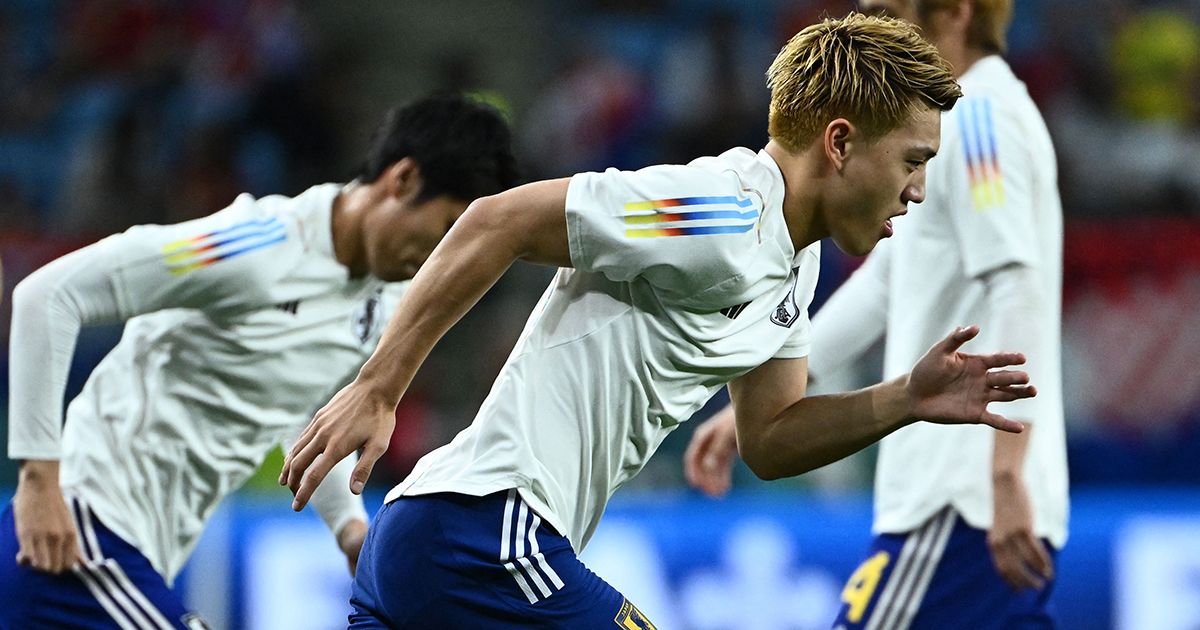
(708, 462)
(46, 532)
(350, 541)
(357, 417)
(952, 387)
(1016, 551)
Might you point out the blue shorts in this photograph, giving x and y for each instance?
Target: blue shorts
(115, 587)
(458, 561)
(939, 575)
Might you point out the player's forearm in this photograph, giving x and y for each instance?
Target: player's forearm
(470, 259)
(854, 318)
(1008, 455)
(527, 223)
(818, 430)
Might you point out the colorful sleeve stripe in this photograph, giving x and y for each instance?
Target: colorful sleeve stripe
(208, 249)
(705, 215)
(979, 143)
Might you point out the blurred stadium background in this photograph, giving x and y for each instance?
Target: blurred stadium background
(118, 112)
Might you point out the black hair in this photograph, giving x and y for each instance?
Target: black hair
(463, 147)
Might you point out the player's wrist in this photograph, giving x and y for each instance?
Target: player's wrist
(39, 473)
(895, 403)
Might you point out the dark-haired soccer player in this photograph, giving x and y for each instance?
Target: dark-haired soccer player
(238, 325)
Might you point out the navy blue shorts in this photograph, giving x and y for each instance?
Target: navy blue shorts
(458, 561)
(115, 587)
(938, 576)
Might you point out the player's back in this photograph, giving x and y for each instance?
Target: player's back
(190, 401)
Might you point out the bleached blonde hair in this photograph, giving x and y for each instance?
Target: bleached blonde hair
(873, 71)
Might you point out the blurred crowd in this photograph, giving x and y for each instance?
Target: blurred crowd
(117, 112)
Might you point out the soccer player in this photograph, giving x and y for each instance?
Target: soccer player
(673, 281)
(967, 521)
(238, 325)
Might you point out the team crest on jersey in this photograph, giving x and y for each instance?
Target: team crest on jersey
(366, 318)
(630, 618)
(788, 310)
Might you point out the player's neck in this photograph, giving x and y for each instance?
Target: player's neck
(961, 57)
(349, 207)
(801, 195)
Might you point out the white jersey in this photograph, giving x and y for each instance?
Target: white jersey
(240, 325)
(684, 278)
(992, 201)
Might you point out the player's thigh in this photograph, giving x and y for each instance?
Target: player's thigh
(486, 562)
(114, 587)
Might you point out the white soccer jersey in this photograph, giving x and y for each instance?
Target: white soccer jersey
(992, 201)
(242, 324)
(684, 278)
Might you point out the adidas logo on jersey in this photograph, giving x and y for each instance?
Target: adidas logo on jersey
(289, 307)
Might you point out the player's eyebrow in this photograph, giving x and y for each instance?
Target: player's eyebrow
(924, 153)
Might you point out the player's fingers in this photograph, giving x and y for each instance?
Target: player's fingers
(1002, 359)
(302, 460)
(955, 340)
(1001, 423)
(1005, 378)
(312, 479)
(301, 442)
(1036, 557)
(1011, 393)
(40, 553)
(693, 457)
(68, 552)
(366, 463)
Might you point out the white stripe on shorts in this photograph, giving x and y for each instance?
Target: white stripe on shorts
(920, 555)
(518, 563)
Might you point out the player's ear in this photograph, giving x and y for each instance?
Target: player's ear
(839, 141)
(403, 178)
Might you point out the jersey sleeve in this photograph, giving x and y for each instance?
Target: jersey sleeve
(799, 342)
(226, 260)
(680, 228)
(990, 183)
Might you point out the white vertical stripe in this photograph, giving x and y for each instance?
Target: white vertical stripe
(507, 529)
(123, 580)
(533, 575)
(90, 531)
(900, 575)
(923, 556)
(104, 600)
(77, 513)
(522, 514)
(537, 554)
(119, 583)
(516, 573)
(899, 571)
(921, 584)
(118, 596)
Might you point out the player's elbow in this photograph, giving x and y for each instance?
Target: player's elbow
(760, 460)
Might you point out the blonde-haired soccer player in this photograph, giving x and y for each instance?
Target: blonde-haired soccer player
(674, 281)
(967, 521)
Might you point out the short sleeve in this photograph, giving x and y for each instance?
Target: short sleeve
(990, 173)
(799, 342)
(681, 228)
(229, 259)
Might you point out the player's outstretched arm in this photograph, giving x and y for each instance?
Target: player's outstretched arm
(781, 434)
(528, 222)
